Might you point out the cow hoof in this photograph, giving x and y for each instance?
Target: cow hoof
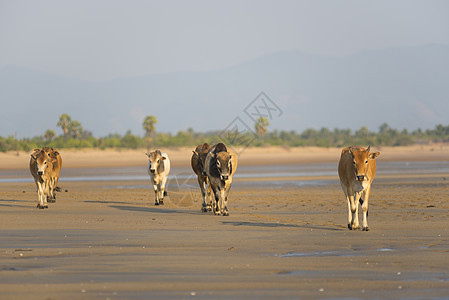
(156, 203)
(161, 202)
(349, 226)
(203, 209)
(40, 206)
(225, 213)
(365, 228)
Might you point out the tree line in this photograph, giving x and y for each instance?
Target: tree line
(75, 136)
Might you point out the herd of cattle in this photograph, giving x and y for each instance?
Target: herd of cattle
(215, 166)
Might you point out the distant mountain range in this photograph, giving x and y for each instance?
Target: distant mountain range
(405, 87)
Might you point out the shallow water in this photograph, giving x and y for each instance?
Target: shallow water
(270, 172)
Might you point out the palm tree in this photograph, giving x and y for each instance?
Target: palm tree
(76, 129)
(149, 125)
(49, 135)
(64, 122)
(261, 126)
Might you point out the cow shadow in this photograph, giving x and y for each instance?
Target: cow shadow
(158, 209)
(280, 225)
(9, 203)
(105, 202)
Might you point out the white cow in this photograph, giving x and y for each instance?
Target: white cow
(158, 169)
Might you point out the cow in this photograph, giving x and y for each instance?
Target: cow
(197, 162)
(356, 169)
(158, 169)
(220, 165)
(43, 168)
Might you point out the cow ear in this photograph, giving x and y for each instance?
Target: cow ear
(373, 155)
(163, 158)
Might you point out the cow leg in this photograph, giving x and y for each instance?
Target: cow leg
(365, 210)
(203, 187)
(52, 195)
(216, 200)
(162, 190)
(225, 200)
(40, 192)
(209, 197)
(156, 194)
(355, 217)
(353, 221)
(46, 193)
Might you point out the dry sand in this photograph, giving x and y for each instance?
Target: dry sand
(99, 241)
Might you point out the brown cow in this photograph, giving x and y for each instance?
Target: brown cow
(356, 169)
(44, 169)
(197, 162)
(220, 166)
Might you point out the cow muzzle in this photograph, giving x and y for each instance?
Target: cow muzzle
(152, 171)
(224, 177)
(360, 177)
(40, 173)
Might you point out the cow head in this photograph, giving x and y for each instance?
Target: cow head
(43, 162)
(155, 161)
(360, 159)
(224, 165)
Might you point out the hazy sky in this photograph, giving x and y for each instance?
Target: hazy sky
(104, 39)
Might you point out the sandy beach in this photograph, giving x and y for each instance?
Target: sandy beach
(106, 239)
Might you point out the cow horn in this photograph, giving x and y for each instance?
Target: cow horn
(367, 149)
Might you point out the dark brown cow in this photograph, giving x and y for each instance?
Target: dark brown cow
(356, 169)
(197, 162)
(220, 166)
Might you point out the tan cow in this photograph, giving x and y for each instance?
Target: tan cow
(356, 169)
(44, 169)
(197, 162)
(53, 153)
(220, 166)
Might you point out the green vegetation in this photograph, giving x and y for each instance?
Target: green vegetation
(74, 136)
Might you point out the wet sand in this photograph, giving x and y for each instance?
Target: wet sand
(106, 240)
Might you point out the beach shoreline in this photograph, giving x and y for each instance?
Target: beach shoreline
(94, 158)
